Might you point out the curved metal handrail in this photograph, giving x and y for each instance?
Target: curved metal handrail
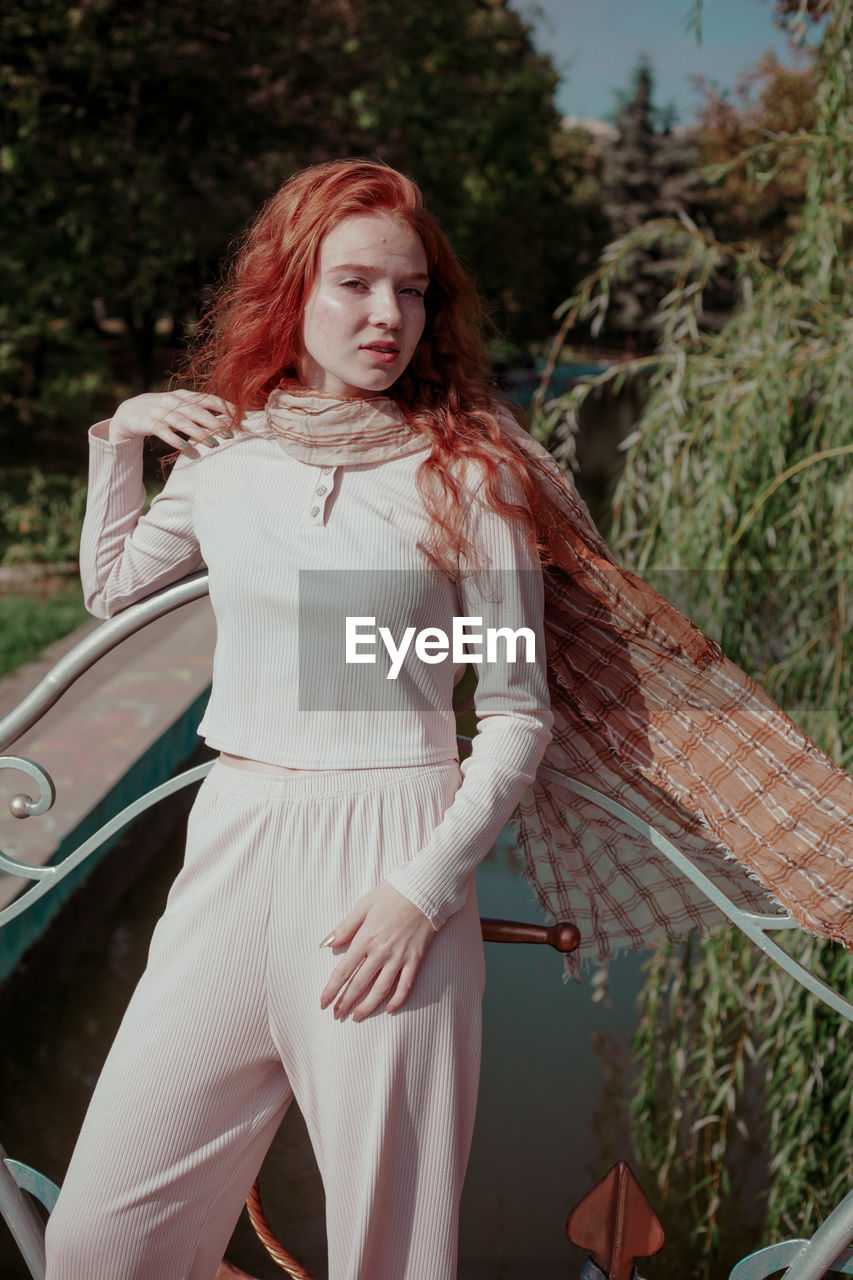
(105, 638)
(50, 689)
(48, 877)
(753, 924)
(92, 647)
(20, 1217)
(827, 1250)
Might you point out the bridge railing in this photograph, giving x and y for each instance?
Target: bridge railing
(16, 1179)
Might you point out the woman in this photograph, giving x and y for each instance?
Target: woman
(341, 458)
(345, 463)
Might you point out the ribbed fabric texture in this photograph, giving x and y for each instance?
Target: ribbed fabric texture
(258, 518)
(225, 1028)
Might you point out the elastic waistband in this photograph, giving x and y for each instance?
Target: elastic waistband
(325, 782)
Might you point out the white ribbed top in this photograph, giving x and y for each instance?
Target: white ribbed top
(290, 549)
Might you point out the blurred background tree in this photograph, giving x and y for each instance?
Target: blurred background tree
(138, 141)
(761, 203)
(736, 500)
(648, 170)
(738, 175)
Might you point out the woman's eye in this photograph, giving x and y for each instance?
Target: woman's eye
(360, 286)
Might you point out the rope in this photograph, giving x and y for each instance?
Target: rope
(263, 1230)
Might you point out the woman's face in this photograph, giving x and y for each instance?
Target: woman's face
(365, 314)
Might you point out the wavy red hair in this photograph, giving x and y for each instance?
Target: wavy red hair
(250, 339)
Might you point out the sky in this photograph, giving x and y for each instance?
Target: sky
(595, 46)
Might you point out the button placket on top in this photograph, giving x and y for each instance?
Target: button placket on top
(324, 480)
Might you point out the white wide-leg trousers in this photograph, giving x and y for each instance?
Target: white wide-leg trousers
(225, 1028)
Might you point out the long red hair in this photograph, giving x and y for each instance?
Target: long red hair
(249, 341)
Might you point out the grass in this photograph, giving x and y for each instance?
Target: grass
(36, 527)
(30, 623)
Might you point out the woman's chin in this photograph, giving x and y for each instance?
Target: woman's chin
(373, 384)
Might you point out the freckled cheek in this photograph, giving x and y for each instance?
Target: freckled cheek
(342, 313)
(324, 326)
(332, 307)
(334, 320)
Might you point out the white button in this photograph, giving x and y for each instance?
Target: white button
(315, 511)
(321, 490)
(325, 470)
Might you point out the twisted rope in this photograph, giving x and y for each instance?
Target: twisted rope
(264, 1232)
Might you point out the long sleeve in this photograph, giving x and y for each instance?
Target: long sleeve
(514, 717)
(124, 555)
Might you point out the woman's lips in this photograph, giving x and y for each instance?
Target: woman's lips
(382, 352)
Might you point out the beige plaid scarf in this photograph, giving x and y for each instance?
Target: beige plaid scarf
(648, 711)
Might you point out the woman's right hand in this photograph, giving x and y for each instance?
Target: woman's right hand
(178, 417)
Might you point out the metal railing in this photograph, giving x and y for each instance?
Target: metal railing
(806, 1260)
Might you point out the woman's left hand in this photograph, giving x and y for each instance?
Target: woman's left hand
(388, 938)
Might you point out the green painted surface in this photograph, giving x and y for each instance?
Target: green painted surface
(162, 759)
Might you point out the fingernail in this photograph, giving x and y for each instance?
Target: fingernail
(184, 445)
(227, 434)
(212, 441)
(327, 942)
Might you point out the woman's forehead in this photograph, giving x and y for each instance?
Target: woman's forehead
(372, 239)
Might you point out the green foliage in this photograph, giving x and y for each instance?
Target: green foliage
(806, 1051)
(733, 1057)
(135, 142)
(647, 172)
(456, 94)
(49, 372)
(739, 477)
(138, 141)
(44, 526)
(695, 1054)
(28, 624)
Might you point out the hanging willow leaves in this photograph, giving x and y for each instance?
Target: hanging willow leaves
(736, 500)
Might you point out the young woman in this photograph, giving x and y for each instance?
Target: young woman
(348, 476)
(341, 457)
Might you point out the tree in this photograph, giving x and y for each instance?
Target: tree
(137, 142)
(761, 194)
(813, 10)
(737, 497)
(456, 94)
(647, 172)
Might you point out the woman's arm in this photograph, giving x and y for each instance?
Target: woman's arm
(124, 556)
(513, 712)
(390, 928)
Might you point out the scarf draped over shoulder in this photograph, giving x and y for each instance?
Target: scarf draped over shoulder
(649, 712)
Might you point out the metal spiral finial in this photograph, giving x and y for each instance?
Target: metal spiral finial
(24, 806)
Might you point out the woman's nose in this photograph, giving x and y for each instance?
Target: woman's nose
(386, 308)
